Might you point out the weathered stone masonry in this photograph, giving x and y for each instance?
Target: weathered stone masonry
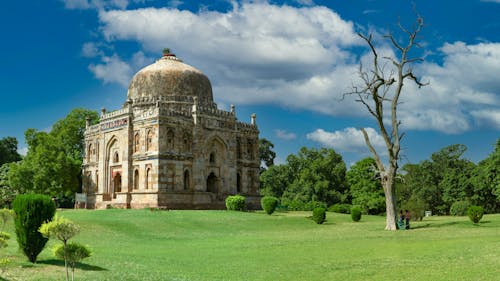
(170, 146)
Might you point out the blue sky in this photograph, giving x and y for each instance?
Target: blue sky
(287, 61)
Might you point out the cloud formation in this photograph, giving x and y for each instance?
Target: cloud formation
(303, 58)
(284, 135)
(348, 140)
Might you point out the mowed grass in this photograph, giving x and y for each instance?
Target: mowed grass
(221, 245)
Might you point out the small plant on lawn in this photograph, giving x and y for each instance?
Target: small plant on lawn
(31, 210)
(356, 213)
(72, 253)
(319, 215)
(235, 203)
(269, 204)
(63, 230)
(475, 213)
(459, 208)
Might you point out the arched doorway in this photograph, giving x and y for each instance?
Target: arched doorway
(117, 184)
(238, 182)
(212, 183)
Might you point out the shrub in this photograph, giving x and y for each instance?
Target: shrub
(235, 203)
(356, 213)
(340, 208)
(459, 208)
(475, 213)
(319, 215)
(269, 204)
(31, 211)
(72, 253)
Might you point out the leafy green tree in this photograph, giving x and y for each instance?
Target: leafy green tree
(366, 190)
(53, 163)
(275, 180)
(266, 153)
(313, 177)
(8, 150)
(7, 193)
(439, 182)
(63, 230)
(486, 182)
(318, 176)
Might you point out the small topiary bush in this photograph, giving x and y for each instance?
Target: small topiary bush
(356, 213)
(340, 208)
(269, 204)
(319, 215)
(235, 203)
(475, 213)
(459, 208)
(32, 210)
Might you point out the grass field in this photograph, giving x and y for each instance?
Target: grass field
(221, 245)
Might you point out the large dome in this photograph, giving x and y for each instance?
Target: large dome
(170, 77)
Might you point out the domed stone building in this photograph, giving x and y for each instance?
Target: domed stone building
(169, 146)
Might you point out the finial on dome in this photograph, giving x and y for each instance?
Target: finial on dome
(167, 53)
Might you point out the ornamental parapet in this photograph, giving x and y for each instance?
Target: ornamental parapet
(115, 113)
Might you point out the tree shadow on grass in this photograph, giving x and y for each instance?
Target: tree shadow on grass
(433, 225)
(82, 266)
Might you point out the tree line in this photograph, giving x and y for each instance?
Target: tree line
(319, 177)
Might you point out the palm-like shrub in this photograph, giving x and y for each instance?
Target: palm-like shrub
(475, 213)
(269, 204)
(31, 211)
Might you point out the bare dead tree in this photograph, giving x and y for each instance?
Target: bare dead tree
(380, 89)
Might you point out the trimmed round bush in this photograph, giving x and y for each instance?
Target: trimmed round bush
(356, 213)
(235, 203)
(32, 210)
(459, 208)
(475, 213)
(269, 204)
(340, 208)
(319, 215)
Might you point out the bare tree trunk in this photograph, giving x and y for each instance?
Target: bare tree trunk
(390, 202)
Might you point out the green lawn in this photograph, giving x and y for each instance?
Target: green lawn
(221, 245)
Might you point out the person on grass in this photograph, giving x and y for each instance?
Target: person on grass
(407, 218)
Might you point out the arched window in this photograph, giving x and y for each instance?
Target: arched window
(117, 182)
(170, 139)
(136, 179)
(212, 158)
(186, 180)
(136, 142)
(149, 140)
(238, 182)
(148, 178)
(89, 152)
(116, 158)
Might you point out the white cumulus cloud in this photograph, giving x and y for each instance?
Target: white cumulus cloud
(348, 140)
(283, 134)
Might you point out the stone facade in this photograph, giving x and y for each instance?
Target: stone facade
(169, 146)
